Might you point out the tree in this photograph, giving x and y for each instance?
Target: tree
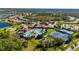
(4, 34)
(10, 43)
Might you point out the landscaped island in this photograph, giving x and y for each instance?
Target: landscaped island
(39, 30)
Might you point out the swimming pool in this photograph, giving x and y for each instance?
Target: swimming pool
(38, 31)
(27, 34)
(4, 25)
(34, 32)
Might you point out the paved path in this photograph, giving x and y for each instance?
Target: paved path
(76, 46)
(69, 49)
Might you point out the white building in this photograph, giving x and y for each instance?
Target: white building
(72, 27)
(71, 18)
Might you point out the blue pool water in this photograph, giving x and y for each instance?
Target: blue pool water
(38, 31)
(4, 25)
(27, 34)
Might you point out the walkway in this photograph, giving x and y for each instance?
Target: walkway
(70, 49)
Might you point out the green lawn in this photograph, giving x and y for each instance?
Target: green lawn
(48, 32)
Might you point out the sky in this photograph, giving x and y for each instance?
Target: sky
(39, 3)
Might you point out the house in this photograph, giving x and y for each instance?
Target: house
(77, 20)
(44, 39)
(12, 17)
(71, 18)
(41, 25)
(76, 28)
(14, 20)
(24, 27)
(65, 26)
(70, 26)
(21, 32)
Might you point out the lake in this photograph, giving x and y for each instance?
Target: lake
(2, 25)
(2, 16)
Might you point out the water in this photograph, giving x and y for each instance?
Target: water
(2, 16)
(38, 31)
(2, 25)
(42, 10)
(27, 34)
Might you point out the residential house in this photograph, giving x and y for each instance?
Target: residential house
(72, 27)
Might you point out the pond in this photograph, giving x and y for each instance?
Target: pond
(2, 25)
